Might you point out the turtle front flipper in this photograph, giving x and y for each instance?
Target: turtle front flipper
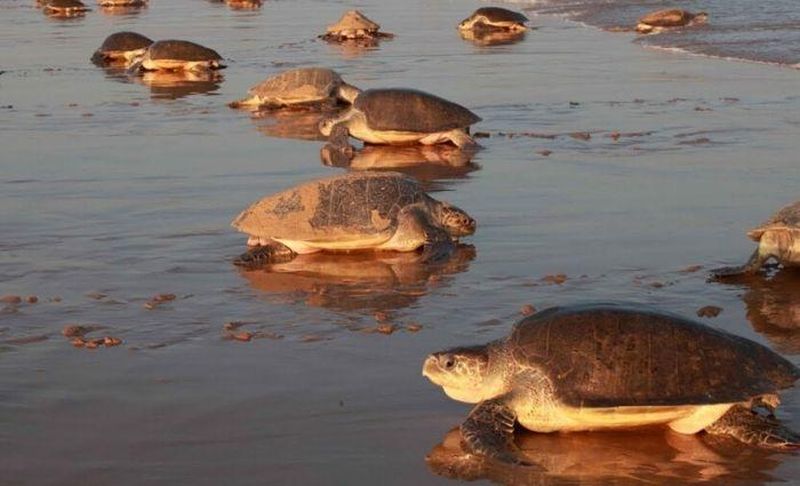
(753, 265)
(438, 245)
(257, 256)
(752, 428)
(489, 431)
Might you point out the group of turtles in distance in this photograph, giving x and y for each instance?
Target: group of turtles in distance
(592, 367)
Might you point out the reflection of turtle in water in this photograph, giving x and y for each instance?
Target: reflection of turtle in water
(489, 37)
(354, 25)
(64, 8)
(425, 163)
(402, 116)
(356, 211)
(773, 309)
(494, 18)
(299, 87)
(646, 456)
(178, 55)
(121, 48)
(778, 238)
(295, 124)
(600, 367)
(656, 22)
(358, 281)
(178, 84)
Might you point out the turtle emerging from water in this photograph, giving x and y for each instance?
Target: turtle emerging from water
(178, 55)
(494, 18)
(658, 21)
(357, 211)
(354, 25)
(778, 238)
(299, 87)
(64, 8)
(596, 367)
(121, 48)
(399, 116)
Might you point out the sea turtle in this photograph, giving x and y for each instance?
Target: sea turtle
(178, 55)
(64, 8)
(244, 4)
(121, 48)
(298, 87)
(778, 238)
(656, 22)
(123, 3)
(399, 116)
(606, 366)
(494, 18)
(354, 25)
(355, 211)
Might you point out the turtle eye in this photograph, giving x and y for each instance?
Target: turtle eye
(449, 362)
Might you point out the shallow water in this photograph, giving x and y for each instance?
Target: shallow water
(113, 191)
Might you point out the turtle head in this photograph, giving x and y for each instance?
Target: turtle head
(467, 23)
(464, 373)
(454, 220)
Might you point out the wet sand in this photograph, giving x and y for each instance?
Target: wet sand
(126, 190)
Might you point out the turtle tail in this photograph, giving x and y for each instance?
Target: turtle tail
(751, 427)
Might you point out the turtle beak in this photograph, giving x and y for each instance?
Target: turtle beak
(430, 367)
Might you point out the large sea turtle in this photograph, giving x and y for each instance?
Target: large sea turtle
(121, 48)
(607, 366)
(494, 18)
(64, 8)
(778, 238)
(178, 55)
(354, 25)
(356, 211)
(656, 22)
(298, 87)
(399, 116)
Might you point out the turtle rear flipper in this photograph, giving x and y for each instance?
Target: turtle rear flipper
(753, 265)
(752, 428)
(489, 431)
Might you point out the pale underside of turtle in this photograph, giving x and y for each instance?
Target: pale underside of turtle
(299, 87)
(494, 18)
(178, 55)
(601, 367)
(656, 22)
(65, 7)
(402, 116)
(121, 47)
(354, 25)
(358, 211)
(778, 238)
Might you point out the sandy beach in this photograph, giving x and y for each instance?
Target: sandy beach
(114, 191)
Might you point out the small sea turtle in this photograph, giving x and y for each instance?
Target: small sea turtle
(656, 22)
(178, 55)
(778, 238)
(606, 366)
(65, 8)
(354, 25)
(244, 4)
(123, 3)
(402, 116)
(121, 48)
(358, 211)
(494, 18)
(304, 86)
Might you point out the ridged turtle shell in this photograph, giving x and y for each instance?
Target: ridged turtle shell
(348, 207)
(609, 355)
(353, 20)
(667, 18)
(786, 217)
(125, 41)
(497, 14)
(181, 50)
(412, 110)
(65, 4)
(305, 83)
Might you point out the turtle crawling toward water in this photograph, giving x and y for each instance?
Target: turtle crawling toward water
(658, 21)
(64, 8)
(778, 238)
(494, 18)
(399, 116)
(596, 367)
(354, 25)
(121, 48)
(356, 211)
(178, 55)
(298, 87)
